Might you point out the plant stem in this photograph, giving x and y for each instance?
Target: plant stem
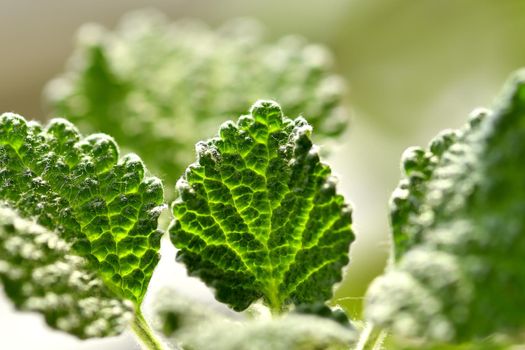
(274, 302)
(144, 332)
(363, 337)
(380, 340)
(370, 338)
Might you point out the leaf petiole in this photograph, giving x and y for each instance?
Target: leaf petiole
(371, 338)
(144, 333)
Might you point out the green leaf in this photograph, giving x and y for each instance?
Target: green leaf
(192, 326)
(418, 166)
(458, 227)
(40, 273)
(258, 215)
(159, 87)
(79, 189)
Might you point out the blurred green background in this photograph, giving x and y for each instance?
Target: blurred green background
(414, 67)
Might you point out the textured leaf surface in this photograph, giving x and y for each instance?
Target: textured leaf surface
(258, 215)
(201, 328)
(159, 87)
(78, 188)
(39, 273)
(459, 230)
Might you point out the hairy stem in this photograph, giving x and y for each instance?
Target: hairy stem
(144, 332)
(371, 338)
(274, 303)
(380, 339)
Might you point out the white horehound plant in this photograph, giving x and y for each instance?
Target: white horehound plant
(257, 216)
(258, 219)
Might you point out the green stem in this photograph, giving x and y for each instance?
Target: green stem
(144, 332)
(371, 338)
(276, 309)
(274, 302)
(380, 339)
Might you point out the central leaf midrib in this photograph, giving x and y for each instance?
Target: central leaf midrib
(236, 207)
(272, 286)
(299, 230)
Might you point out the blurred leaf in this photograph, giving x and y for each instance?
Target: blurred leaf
(322, 310)
(40, 273)
(458, 229)
(291, 332)
(159, 87)
(201, 328)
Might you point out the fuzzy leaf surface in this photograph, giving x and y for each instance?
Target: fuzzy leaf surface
(157, 85)
(190, 325)
(258, 214)
(78, 187)
(40, 273)
(459, 232)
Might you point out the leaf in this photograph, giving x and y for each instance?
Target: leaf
(159, 87)
(322, 310)
(459, 232)
(40, 273)
(79, 189)
(192, 326)
(258, 215)
(290, 332)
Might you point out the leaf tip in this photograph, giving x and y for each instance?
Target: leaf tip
(266, 111)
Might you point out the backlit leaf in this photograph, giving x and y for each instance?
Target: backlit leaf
(102, 208)
(258, 214)
(40, 273)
